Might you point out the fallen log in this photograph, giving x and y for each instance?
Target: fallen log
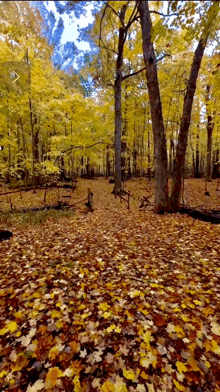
(57, 206)
(205, 216)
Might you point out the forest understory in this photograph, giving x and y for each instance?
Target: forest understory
(111, 300)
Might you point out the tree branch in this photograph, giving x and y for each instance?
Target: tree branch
(133, 73)
(162, 57)
(142, 69)
(116, 14)
(160, 13)
(77, 147)
(106, 48)
(100, 28)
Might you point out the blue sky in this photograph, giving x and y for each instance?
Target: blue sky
(71, 24)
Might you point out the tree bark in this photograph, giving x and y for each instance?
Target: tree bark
(187, 109)
(184, 127)
(117, 87)
(210, 126)
(197, 173)
(160, 152)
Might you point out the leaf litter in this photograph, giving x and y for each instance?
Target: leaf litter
(111, 300)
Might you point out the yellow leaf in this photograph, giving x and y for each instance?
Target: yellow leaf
(12, 326)
(207, 364)
(177, 309)
(59, 324)
(208, 311)
(108, 387)
(3, 331)
(196, 302)
(118, 329)
(111, 328)
(52, 376)
(74, 346)
(104, 306)
(106, 314)
(179, 331)
(77, 386)
(53, 353)
(179, 387)
(55, 314)
(144, 375)
(3, 373)
(185, 318)
(145, 312)
(181, 367)
(129, 374)
(215, 347)
(18, 315)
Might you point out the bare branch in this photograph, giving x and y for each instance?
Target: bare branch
(133, 73)
(160, 13)
(142, 69)
(133, 17)
(109, 6)
(106, 48)
(77, 147)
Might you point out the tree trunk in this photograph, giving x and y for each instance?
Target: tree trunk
(108, 166)
(160, 160)
(210, 126)
(118, 116)
(197, 174)
(24, 154)
(187, 109)
(184, 127)
(215, 170)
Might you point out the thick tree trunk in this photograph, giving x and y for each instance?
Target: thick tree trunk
(184, 127)
(160, 152)
(118, 115)
(187, 108)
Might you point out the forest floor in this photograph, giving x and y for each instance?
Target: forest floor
(111, 300)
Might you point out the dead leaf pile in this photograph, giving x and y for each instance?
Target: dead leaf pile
(111, 301)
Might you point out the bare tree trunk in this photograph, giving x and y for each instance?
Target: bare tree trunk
(24, 154)
(184, 127)
(197, 174)
(187, 109)
(33, 144)
(118, 115)
(160, 160)
(210, 126)
(108, 166)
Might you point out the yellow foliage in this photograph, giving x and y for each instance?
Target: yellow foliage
(178, 386)
(108, 387)
(129, 374)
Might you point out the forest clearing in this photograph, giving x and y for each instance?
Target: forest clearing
(111, 300)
